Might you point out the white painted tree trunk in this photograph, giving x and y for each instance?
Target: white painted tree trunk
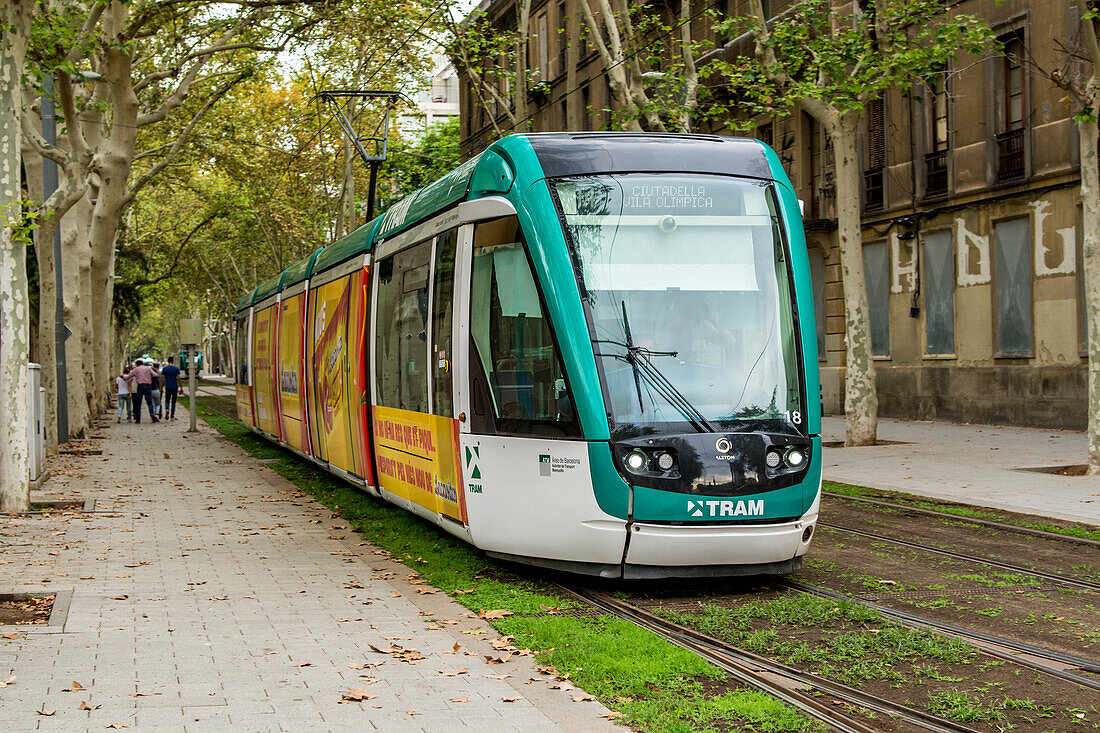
(1090, 198)
(14, 301)
(860, 397)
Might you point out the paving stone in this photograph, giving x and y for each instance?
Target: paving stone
(229, 585)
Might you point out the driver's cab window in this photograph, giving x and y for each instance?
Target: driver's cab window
(517, 382)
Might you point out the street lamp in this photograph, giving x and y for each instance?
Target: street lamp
(49, 185)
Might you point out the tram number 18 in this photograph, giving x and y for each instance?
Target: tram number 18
(793, 417)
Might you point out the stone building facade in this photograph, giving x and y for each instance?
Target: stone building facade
(971, 203)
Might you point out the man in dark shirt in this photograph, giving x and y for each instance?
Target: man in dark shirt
(171, 375)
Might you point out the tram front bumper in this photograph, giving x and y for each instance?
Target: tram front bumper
(705, 550)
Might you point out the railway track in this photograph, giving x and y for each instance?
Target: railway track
(1057, 578)
(971, 520)
(780, 680)
(1037, 658)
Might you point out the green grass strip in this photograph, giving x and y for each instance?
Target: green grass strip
(863, 492)
(657, 686)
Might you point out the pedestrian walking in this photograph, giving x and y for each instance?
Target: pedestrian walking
(144, 375)
(123, 396)
(155, 392)
(170, 373)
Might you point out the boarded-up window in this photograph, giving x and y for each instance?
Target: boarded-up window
(873, 176)
(1013, 288)
(939, 294)
(876, 274)
(817, 279)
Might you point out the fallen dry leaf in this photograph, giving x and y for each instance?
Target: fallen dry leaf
(139, 694)
(8, 681)
(77, 686)
(583, 698)
(304, 664)
(453, 672)
(47, 713)
(491, 615)
(85, 706)
(10, 636)
(358, 695)
(353, 665)
(498, 676)
(460, 699)
(117, 726)
(119, 598)
(411, 712)
(509, 699)
(611, 716)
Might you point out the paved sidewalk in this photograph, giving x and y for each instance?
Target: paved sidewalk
(984, 465)
(208, 594)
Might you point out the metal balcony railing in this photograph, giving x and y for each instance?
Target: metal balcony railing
(935, 173)
(1010, 155)
(873, 189)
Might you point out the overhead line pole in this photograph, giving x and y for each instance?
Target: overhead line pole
(380, 143)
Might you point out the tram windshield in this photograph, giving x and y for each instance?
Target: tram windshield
(689, 301)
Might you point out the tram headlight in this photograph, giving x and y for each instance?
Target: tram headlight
(795, 458)
(664, 461)
(636, 460)
(773, 459)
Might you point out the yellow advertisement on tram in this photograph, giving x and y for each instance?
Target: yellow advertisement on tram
(290, 373)
(417, 457)
(263, 387)
(329, 370)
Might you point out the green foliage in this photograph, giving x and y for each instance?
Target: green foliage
(414, 165)
(822, 51)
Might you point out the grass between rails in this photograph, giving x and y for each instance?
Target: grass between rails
(657, 686)
(958, 510)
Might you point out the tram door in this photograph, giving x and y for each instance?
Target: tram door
(414, 430)
(526, 471)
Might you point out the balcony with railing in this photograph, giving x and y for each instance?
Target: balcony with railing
(1010, 154)
(935, 173)
(873, 190)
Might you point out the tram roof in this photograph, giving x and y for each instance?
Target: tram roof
(587, 153)
(300, 270)
(346, 247)
(246, 299)
(269, 287)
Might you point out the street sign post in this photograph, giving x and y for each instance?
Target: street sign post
(190, 335)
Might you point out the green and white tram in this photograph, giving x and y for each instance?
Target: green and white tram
(582, 351)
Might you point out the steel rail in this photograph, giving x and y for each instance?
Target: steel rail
(1065, 580)
(996, 646)
(972, 520)
(748, 667)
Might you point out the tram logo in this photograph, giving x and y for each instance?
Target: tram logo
(725, 508)
(723, 445)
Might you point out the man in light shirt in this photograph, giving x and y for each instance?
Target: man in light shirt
(145, 376)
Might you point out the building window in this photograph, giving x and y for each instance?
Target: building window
(876, 156)
(542, 29)
(935, 161)
(876, 275)
(764, 134)
(817, 280)
(1010, 141)
(1082, 311)
(1012, 288)
(939, 294)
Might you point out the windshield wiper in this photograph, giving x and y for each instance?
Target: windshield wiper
(638, 358)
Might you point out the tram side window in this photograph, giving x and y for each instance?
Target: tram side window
(517, 382)
(401, 350)
(442, 316)
(241, 343)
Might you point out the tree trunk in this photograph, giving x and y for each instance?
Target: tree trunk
(43, 250)
(14, 296)
(860, 397)
(1090, 199)
(74, 258)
